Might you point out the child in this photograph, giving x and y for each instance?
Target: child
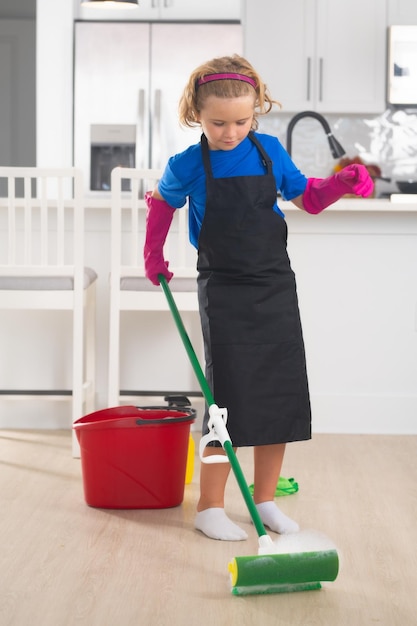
(254, 352)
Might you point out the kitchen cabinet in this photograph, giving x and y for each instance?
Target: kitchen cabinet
(321, 55)
(183, 10)
(402, 12)
(128, 79)
(189, 9)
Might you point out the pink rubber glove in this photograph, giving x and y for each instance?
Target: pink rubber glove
(321, 192)
(158, 220)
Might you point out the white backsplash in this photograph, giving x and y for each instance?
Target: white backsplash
(389, 140)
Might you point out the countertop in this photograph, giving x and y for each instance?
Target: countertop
(397, 203)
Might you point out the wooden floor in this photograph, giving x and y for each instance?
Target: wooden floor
(64, 563)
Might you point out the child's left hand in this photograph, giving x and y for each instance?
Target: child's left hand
(357, 180)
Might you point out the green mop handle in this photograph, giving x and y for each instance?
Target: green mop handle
(228, 448)
(186, 341)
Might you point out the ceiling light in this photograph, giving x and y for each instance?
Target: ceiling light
(111, 4)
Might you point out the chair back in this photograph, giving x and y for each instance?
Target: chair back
(42, 224)
(130, 290)
(128, 227)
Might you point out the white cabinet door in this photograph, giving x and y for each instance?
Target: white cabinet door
(323, 55)
(350, 56)
(198, 10)
(279, 42)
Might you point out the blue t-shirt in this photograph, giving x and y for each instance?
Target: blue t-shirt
(184, 175)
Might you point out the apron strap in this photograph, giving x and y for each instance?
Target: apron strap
(206, 156)
(265, 158)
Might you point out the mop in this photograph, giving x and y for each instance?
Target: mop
(278, 567)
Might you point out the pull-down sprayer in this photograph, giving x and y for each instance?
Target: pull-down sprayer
(335, 147)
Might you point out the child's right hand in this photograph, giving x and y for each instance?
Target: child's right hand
(158, 221)
(153, 267)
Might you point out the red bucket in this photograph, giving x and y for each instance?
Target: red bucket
(133, 457)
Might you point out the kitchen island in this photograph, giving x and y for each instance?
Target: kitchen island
(356, 270)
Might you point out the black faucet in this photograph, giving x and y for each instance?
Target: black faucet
(335, 147)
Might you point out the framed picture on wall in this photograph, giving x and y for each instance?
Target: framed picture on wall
(402, 65)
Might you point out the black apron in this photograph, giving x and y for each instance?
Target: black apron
(254, 350)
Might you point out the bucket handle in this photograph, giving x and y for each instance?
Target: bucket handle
(164, 420)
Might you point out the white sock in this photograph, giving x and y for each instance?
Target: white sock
(215, 524)
(275, 519)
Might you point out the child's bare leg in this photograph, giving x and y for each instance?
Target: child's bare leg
(268, 463)
(211, 518)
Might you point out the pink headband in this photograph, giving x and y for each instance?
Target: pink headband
(210, 77)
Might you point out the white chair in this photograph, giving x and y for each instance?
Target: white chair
(130, 290)
(42, 268)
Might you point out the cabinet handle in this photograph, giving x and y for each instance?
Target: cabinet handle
(308, 78)
(168, 3)
(321, 79)
(155, 4)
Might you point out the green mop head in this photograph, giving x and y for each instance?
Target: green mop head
(286, 571)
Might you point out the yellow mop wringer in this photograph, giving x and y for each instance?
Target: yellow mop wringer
(271, 571)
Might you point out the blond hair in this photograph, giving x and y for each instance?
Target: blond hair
(194, 95)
